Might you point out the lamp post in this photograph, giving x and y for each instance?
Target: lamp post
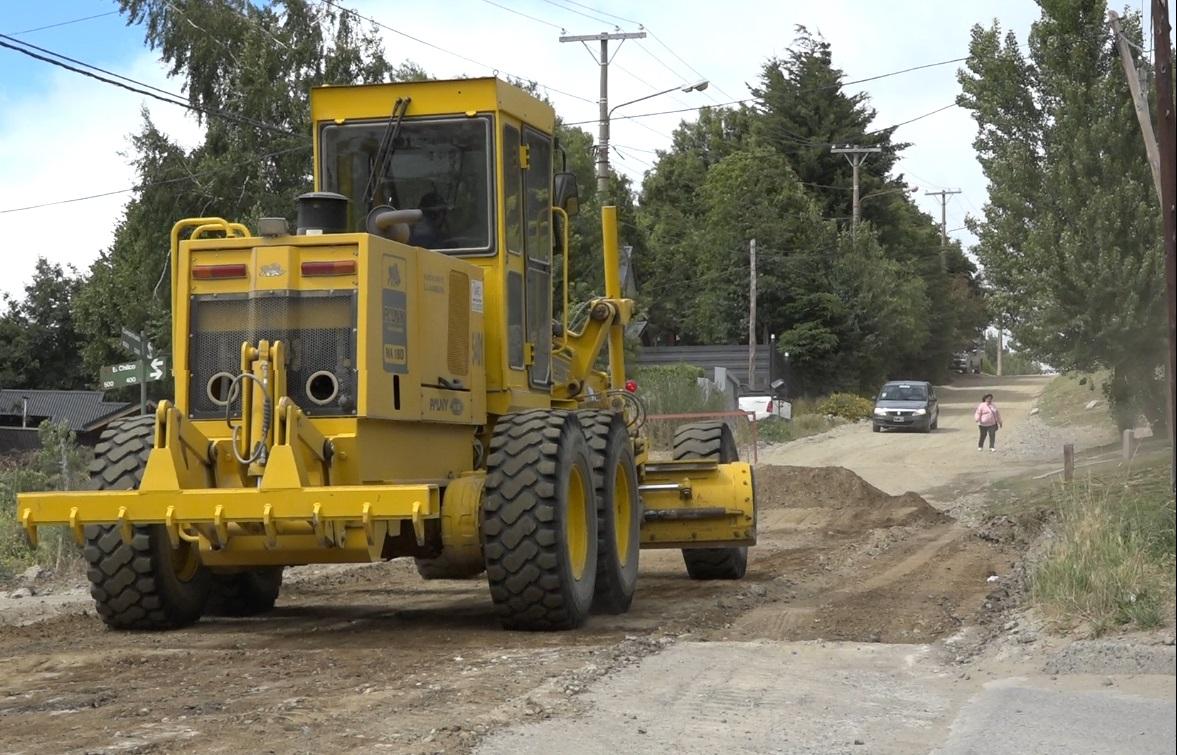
(603, 139)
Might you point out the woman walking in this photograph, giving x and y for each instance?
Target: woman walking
(988, 420)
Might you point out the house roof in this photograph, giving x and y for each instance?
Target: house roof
(83, 410)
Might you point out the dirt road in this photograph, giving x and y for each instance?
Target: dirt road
(374, 659)
(898, 461)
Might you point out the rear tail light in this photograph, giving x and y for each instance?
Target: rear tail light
(218, 272)
(328, 267)
(631, 386)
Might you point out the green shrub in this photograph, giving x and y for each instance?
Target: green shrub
(848, 406)
(674, 389)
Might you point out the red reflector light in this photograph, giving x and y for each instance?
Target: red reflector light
(330, 267)
(631, 386)
(217, 272)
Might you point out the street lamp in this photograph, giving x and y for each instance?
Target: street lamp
(603, 139)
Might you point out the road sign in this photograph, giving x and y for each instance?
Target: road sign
(133, 342)
(120, 375)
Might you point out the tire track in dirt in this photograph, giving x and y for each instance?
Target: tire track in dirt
(374, 659)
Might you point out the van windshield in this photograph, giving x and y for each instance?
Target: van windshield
(903, 392)
(441, 166)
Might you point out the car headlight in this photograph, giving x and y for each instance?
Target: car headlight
(921, 411)
(880, 412)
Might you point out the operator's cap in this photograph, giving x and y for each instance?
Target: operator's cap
(432, 202)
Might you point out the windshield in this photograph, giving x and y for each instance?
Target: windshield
(903, 392)
(440, 166)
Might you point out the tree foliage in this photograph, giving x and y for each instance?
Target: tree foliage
(39, 342)
(247, 68)
(851, 309)
(1070, 237)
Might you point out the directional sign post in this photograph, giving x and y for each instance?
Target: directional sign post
(148, 369)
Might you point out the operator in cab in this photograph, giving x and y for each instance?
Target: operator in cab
(432, 230)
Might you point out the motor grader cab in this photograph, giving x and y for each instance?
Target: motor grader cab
(385, 380)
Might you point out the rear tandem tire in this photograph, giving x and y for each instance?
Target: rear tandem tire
(248, 592)
(146, 584)
(540, 521)
(619, 510)
(444, 567)
(710, 440)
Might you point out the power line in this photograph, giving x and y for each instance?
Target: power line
(913, 120)
(658, 39)
(63, 23)
(458, 55)
(94, 67)
(598, 19)
(142, 88)
(140, 187)
(557, 27)
(605, 13)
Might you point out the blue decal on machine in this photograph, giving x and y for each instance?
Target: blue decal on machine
(394, 316)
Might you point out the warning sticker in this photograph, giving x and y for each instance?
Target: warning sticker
(476, 296)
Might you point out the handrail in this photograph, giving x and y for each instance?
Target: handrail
(202, 225)
(564, 317)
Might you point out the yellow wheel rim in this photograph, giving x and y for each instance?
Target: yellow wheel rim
(622, 511)
(185, 561)
(575, 525)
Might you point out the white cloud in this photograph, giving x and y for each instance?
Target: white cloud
(72, 140)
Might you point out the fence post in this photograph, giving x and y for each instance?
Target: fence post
(1069, 462)
(1129, 446)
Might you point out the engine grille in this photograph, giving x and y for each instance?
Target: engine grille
(317, 328)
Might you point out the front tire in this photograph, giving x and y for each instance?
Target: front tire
(714, 441)
(144, 584)
(540, 521)
(619, 510)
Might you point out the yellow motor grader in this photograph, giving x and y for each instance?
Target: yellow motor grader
(386, 380)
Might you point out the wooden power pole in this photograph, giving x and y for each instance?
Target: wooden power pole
(603, 102)
(856, 156)
(944, 194)
(1167, 153)
(752, 315)
(1139, 101)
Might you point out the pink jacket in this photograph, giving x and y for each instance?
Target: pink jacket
(987, 415)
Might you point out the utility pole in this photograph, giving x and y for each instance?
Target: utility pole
(856, 156)
(752, 315)
(1138, 100)
(1000, 341)
(603, 136)
(944, 194)
(142, 372)
(1163, 66)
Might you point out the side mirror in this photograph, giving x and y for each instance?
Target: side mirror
(567, 195)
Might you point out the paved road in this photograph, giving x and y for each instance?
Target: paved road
(828, 697)
(816, 697)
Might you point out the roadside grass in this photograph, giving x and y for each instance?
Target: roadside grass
(1064, 401)
(1111, 561)
(777, 430)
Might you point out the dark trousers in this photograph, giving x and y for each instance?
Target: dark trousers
(991, 431)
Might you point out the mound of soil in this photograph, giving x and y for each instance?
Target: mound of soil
(847, 500)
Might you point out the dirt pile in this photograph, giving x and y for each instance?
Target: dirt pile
(841, 500)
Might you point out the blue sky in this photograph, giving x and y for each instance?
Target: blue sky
(63, 136)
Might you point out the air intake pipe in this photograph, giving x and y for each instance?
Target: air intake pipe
(390, 223)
